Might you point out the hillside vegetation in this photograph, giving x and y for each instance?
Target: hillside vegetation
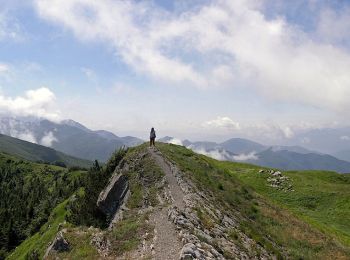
(38, 153)
(305, 216)
(307, 222)
(38, 198)
(29, 191)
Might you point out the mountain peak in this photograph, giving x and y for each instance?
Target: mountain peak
(73, 123)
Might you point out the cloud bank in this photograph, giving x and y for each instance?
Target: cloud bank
(223, 122)
(245, 157)
(39, 103)
(216, 153)
(48, 139)
(221, 43)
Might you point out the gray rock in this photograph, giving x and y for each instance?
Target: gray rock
(188, 251)
(60, 244)
(277, 173)
(113, 195)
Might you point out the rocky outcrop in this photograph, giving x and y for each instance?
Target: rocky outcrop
(60, 244)
(112, 197)
(205, 230)
(277, 180)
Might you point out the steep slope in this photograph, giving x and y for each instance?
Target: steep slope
(314, 226)
(29, 191)
(34, 152)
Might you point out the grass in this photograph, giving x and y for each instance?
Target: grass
(320, 198)
(142, 180)
(127, 234)
(80, 246)
(38, 243)
(205, 218)
(309, 223)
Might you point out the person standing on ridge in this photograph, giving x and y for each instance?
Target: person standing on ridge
(152, 137)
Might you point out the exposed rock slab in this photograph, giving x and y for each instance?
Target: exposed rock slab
(112, 197)
(60, 244)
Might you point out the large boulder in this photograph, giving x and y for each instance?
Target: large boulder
(112, 197)
(59, 244)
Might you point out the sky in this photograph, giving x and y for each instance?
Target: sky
(201, 70)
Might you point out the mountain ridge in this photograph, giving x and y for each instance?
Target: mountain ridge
(185, 205)
(35, 152)
(281, 157)
(69, 137)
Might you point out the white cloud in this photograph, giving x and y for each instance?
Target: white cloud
(245, 157)
(39, 103)
(224, 42)
(217, 154)
(26, 136)
(345, 138)
(223, 122)
(48, 139)
(288, 132)
(175, 141)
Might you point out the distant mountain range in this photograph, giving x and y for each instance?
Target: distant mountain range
(333, 141)
(74, 139)
(38, 153)
(281, 157)
(68, 136)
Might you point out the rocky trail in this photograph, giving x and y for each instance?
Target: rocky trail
(201, 227)
(182, 222)
(166, 240)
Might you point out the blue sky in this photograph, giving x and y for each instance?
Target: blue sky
(199, 70)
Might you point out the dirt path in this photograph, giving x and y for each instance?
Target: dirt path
(166, 241)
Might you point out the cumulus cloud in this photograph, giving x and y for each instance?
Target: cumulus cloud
(26, 136)
(39, 103)
(272, 131)
(224, 42)
(217, 154)
(175, 141)
(48, 139)
(223, 122)
(246, 157)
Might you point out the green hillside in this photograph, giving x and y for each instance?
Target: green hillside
(34, 152)
(304, 217)
(36, 198)
(320, 198)
(311, 220)
(29, 191)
